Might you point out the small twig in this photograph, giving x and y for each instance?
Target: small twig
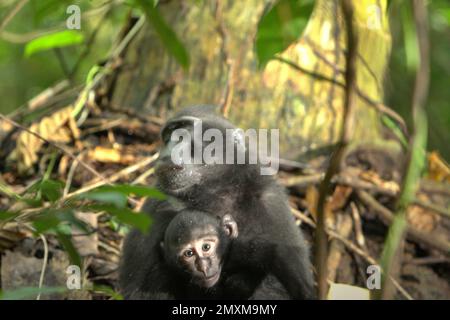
(109, 248)
(435, 187)
(380, 107)
(321, 56)
(105, 126)
(142, 178)
(358, 226)
(12, 14)
(315, 75)
(357, 183)
(122, 173)
(56, 94)
(333, 234)
(432, 207)
(303, 181)
(158, 90)
(70, 175)
(401, 289)
(428, 260)
(44, 264)
(116, 52)
(44, 96)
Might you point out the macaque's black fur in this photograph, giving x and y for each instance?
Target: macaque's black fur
(269, 248)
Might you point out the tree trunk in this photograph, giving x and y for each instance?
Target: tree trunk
(305, 105)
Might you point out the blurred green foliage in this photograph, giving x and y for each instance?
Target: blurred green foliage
(280, 26)
(59, 217)
(400, 80)
(29, 292)
(22, 78)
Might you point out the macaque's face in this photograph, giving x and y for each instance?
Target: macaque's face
(201, 258)
(177, 169)
(196, 242)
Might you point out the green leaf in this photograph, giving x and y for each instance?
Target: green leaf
(125, 215)
(29, 292)
(69, 216)
(118, 227)
(64, 229)
(280, 26)
(53, 220)
(137, 220)
(140, 191)
(117, 194)
(165, 33)
(112, 197)
(51, 190)
(54, 40)
(108, 291)
(45, 189)
(45, 222)
(6, 215)
(34, 187)
(66, 242)
(35, 203)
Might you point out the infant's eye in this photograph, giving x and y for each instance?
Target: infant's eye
(206, 247)
(188, 253)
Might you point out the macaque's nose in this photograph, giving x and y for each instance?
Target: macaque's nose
(202, 266)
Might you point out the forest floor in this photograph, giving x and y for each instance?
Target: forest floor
(122, 147)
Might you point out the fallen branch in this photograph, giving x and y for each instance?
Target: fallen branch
(351, 246)
(356, 183)
(387, 216)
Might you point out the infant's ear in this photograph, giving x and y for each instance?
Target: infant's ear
(230, 226)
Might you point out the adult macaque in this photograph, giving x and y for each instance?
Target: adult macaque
(269, 242)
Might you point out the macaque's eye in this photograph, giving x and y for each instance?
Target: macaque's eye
(188, 253)
(206, 247)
